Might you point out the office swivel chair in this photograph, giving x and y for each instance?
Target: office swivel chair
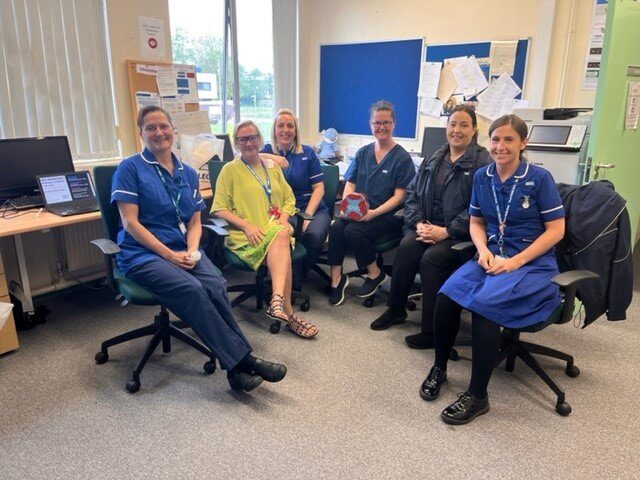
(331, 180)
(259, 288)
(162, 329)
(512, 347)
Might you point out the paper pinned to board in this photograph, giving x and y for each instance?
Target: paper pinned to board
(144, 99)
(431, 106)
(186, 82)
(448, 83)
(173, 104)
(429, 79)
(146, 69)
(470, 77)
(498, 98)
(503, 57)
(166, 80)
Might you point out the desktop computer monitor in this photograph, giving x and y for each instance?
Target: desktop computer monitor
(228, 151)
(432, 139)
(22, 159)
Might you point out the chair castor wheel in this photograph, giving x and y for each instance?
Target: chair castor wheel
(411, 306)
(572, 371)
(133, 386)
(368, 302)
(305, 306)
(101, 358)
(209, 367)
(274, 327)
(563, 408)
(453, 355)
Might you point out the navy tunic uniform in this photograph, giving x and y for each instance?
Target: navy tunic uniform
(197, 296)
(378, 181)
(524, 296)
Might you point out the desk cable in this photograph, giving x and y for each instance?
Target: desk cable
(9, 211)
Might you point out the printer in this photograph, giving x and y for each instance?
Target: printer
(558, 140)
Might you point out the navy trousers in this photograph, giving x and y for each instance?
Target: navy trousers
(199, 297)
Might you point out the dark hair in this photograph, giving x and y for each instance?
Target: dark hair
(383, 106)
(514, 121)
(469, 110)
(144, 111)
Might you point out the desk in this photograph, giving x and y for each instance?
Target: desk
(29, 221)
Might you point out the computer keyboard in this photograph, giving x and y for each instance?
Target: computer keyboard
(30, 201)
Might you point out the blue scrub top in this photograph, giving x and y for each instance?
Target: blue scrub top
(136, 181)
(303, 172)
(379, 181)
(535, 201)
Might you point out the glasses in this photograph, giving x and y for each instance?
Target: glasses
(247, 139)
(385, 123)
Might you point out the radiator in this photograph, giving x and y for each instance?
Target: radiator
(80, 253)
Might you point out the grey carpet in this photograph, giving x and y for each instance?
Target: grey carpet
(348, 408)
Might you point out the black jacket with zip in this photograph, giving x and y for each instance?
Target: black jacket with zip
(456, 194)
(598, 238)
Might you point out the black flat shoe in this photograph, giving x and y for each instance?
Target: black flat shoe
(271, 372)
(336, 297)
(430, 388)
(465, 409)
(243, 381)
(419, 341)
(370, 285)
(387, 319)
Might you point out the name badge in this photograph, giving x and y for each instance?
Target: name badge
(525, 202)
(182, 227)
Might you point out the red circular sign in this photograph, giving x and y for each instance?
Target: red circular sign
(153, 43)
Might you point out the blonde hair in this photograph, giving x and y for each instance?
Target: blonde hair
(297, 145)
(243, 124)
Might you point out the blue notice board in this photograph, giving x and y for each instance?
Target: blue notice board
(353, 76)
(438, 53)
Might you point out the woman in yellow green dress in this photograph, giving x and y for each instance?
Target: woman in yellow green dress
(254, 197)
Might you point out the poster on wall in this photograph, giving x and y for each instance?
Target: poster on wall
(151, 38)
(591, 71)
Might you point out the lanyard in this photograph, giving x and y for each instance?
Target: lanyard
(175, 201)
(502, 221)
(267, 187)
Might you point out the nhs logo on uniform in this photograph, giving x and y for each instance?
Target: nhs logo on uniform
(385, 171)
(304, 158)
(529, 184)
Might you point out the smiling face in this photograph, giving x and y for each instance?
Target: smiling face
(157, 133)
(248, 142)
(285, 131)
(382, 125)
(460, 130)
(506, 146)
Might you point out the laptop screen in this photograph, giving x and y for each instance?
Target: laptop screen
(66, 187)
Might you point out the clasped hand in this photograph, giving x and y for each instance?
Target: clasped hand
(495, 264)
(182, 260)
(428, 233)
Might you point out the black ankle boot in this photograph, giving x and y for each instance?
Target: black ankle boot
(430, 388)
(465, 409)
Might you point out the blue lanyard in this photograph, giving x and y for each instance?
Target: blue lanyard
(267, 187)
(175, 201)
(502, 221)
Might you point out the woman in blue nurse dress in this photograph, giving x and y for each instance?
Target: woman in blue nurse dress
(516, 218)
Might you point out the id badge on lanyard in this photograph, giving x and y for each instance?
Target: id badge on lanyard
(176, 202)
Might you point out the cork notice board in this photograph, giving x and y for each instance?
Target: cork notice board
(143, 82)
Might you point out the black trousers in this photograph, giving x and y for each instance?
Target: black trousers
(435, 262)
(485, 336)
(359, 237)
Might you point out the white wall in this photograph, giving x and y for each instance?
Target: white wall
(438, 21)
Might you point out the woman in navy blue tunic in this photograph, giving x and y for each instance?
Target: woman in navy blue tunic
(516, 217)
(306, 179)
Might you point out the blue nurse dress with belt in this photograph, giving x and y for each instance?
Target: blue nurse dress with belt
(524, 296)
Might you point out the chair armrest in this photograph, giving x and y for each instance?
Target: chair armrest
(463, 246)
(106, 246)
(220, 222)
(304, 215)
(571, 277)
(217, 229)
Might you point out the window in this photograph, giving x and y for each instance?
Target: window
(54, 74)
(205, 86)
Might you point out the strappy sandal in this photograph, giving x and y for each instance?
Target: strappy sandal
(301, 327)
(276, 308)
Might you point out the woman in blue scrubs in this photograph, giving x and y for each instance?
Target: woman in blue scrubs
(382, 171)
(516, 217)
(160, 204)
(305, 177)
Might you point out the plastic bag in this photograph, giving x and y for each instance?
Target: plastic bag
(198, 151)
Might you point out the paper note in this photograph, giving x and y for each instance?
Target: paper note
(189, 123)
(173, 104)
(166, 80)
(146, 98)
(503, 57)
(431, 106)
(147, 69)
(429, 79)
(186, 82)
(633, 106)
(470, 77)
(151, 38)
(498, 98)
(593, 57)
(448, 83)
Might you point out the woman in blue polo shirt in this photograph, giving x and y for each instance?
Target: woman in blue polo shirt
(160, 204)
(516, 217)
(305, 177)
(382, 171)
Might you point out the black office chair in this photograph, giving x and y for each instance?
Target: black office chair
(331, 180)
(260, 287)
(512, 347)
(162, 329)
